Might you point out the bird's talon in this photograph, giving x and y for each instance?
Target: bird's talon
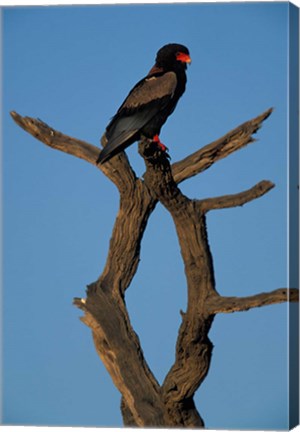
(161, 146)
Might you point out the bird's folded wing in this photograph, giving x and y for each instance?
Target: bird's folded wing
(125, 129)
(152, 88)
(145, 100)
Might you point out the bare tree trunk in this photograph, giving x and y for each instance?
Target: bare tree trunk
(144, 402)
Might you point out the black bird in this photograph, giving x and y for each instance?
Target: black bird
(149, 103)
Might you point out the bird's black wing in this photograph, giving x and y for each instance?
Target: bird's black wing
(146, 99)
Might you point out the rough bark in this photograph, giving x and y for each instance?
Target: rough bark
(144, 402)
(234, 140)
(220, 304)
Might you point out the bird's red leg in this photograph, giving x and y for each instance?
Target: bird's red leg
(159, 143)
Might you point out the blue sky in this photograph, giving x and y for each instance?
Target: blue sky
(72, 67)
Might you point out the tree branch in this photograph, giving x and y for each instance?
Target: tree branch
(105, 313)
(81, 149)
(144, 402)
(57, 140)
(220, 304)
(193, 348)
(119, 348)
(238, 199)
(128, 417)
(219, 149)
(136, 206)
(182, 170)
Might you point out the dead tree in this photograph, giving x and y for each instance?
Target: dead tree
(144, 402)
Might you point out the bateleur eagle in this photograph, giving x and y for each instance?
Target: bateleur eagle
(149, 103)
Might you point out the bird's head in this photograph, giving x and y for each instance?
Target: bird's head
(173, 56)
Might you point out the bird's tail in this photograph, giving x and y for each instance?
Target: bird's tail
(108, 152)
(116, 145)
(104, 156)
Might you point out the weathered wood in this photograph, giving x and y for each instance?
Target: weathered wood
(220, 304)
(239, 199)
(234, 140)
(193, 350)
(144, 402)
(128, 418)
(119, 348)
(136, 206)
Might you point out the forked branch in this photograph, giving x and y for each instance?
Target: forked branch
(144, 401)
(192, 165)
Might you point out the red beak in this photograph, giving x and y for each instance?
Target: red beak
(185, 58)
